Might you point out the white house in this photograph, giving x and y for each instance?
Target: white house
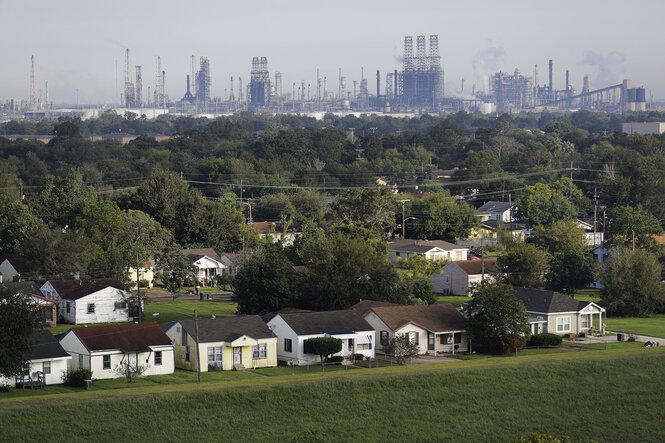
(493, 210)
(436, 329)
(593, 237)
(275, 231)
(556, 313)
(208, 262)
(89, 301)
(107, 350)
(11, 267)
(46, 362)
(458, 276)
(295, 328)
(223, 343)
(429, 249)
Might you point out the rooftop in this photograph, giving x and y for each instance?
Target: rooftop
(441, 317)
(227, 328)
(75, 289)
(129, 337)
(326, 322)
(540, 300)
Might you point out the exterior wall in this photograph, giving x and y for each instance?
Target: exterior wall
(208, 269)
(145, 359)
(7, 272)
(643, 128)
(58, 366)
(144, 274)
(379, 326)
(73, 346)
(422, 336)
(574, 322)
(283, 331)
(104, 300)
(453, 281)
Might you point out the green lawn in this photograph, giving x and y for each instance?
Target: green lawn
(654, 326)
(453, 299)
(593, 395)
(171, 310)
(592, 295)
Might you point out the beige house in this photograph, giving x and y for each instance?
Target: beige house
(436, 329)
(224, 343)
(457, 277)
(146, 272)
(559, 314)
(437, 250)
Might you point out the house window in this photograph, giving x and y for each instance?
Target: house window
(184, 337)
(448, 339)
(106, 364)
(397, 254)
(430, 341)
(288, 345)
(585, 321)
(68, 307)
(80, 360)
(187, 353)
(363, 346)
(46, 367)
(214, 354)
(120, 305)
(562, 324)
(259, 351)
(158, 358)
(384, 338)
(350, 344)
(413, 338)
(91, 308)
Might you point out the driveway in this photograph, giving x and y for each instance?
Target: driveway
(613, 338)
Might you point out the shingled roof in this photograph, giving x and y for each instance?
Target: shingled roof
(421, 246)
(195, 254)
(494, 207)
(130, 337)
(45, 346)
(326, 322)
(474, 267)
(539, 300)
(441, 317)
(75, 289)
(228, 328)
(18, 262)
(364, 306)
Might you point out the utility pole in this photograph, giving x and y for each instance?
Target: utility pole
(482, 257)
(198, 348)
(595, 206)
(403, 219)
(138, 289)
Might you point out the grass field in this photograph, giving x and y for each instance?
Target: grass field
(171, 310)
(654, 326)
(456, 300)
(593, 395)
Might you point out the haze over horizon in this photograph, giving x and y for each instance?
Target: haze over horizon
(76, 44)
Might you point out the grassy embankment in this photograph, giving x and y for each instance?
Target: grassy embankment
(600, 395)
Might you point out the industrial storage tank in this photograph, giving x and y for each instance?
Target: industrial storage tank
(631, 95)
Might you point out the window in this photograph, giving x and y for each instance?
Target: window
(120, 305)
(80, 360)
(458, 338)
(215, 354)
(187, 353)
(91, 308)
(106, 364)
(449, 339)
(158, 358)
(384, 338)
(259, 351)
(562, 324)
(430, 341)
(288, 346)
(585, 321)
(363, 346)
(413, 338)
(68, 307)
(184, 337)
(350, 344)
(46, 367)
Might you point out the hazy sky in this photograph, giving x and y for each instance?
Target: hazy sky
(76, 43)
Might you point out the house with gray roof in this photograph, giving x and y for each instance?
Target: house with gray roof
(494, 210)
(208, 262)
(430, 249)
(223, 343)
(293, 329)
(458, 276)
(556, 313)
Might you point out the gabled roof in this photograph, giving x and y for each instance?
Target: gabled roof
(227, 328)
(441, 317)
(546, 302)
(421, 246)
(326, 322)
(45, 346)
(75, 289)
(495, 207)
(26, 287)
(129, 337)
(364, 306)
(510, 226)
(18, 262)
(475, 267)
(195, 254)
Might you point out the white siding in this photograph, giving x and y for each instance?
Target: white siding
(7, 272)
(58, 367)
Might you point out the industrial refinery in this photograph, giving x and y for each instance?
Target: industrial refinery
(414, 87)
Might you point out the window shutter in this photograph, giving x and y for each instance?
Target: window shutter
(417, 338)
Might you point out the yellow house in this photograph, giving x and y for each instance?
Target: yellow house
(224, 343)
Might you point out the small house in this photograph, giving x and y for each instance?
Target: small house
(458, 276)
(438, 250)
(223, 343)
(109, 350)
(12, 266)
(208, 262)
(494, 210)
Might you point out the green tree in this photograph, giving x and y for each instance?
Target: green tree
(62, 200)
(524, 265)
(542, 205)
(19, 320)
(626, 221)
(175, 270)
(102, 222)
(441, 217)
(419, 266)
(17, 224)
(266, 283)
(53, 254)
(373, 209)
(496, 320)
(323, 346)
(632, 283)
(401, 348)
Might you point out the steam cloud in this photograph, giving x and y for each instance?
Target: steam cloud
(486, 62)
(610, 68)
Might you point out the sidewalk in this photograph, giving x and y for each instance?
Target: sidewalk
(613, 338)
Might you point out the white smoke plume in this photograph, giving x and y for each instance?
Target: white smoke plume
(485, 63)
(609, 69)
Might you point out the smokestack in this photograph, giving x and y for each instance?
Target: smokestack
(188, 92)
(551, 89)
(395, 81)
(33, 91)
(567, 84)
(378, 85)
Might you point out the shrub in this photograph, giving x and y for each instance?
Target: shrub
(144, 283)
(544, 339)
(4, 387)
(358, 357)
(335, 359)
(76, 378)
(323, 346)
(631, 338)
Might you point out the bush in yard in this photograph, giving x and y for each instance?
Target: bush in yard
(401, 348)
(76, 378)
(335, 359)
(358, 357)
(323, 346)
(544, 339)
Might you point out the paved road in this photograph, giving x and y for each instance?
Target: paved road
(613, 338)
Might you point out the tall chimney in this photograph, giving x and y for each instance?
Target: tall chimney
(551, 88)
(567, 84)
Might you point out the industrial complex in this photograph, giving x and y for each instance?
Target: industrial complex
(416, 87)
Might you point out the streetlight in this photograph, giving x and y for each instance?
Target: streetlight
(403, 220)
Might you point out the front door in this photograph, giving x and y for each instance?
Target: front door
(237, 356)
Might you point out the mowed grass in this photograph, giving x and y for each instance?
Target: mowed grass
(172, 310)
(618, 399)
(653, 326)
(455, 300)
